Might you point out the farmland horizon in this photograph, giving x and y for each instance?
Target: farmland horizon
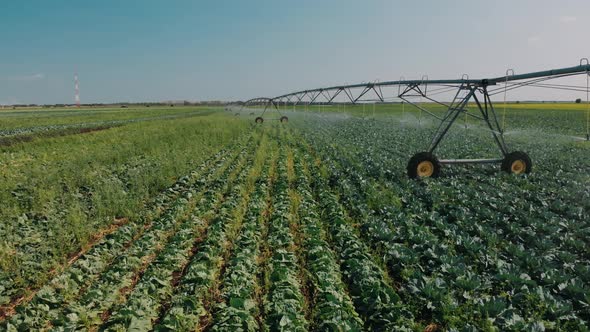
(221, 103)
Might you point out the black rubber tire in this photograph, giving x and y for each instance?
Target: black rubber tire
(417, 159)
(259, 120)
(514, 156)
(284, 119)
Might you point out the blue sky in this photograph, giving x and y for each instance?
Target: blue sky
(195, 50)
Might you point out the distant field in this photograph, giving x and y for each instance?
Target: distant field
(198, 219)
(548, 106)
(47, 117)
(22, 126)
(562, 118)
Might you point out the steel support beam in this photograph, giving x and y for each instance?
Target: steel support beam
(582, 68)
(453, 112)
(469, 161)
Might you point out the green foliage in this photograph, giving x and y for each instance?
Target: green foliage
(239, 309)
(333, 309)
(191, 301)
(284, 306)
(155, 286)
(475, 248)
(66, 188)
(307, 226)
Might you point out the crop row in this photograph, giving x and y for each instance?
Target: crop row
(285, 304)
(333, 309)
(239, 308)
(31, 229)
(428, 263)
(191, 303)
(119, 253)
(123, 273)
(429, 250)
(142, 307)
(544, 274)
(509, 197)
(374, 298)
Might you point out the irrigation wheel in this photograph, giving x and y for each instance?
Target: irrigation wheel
(517, 162)
(259, 120)
(284, 119)
(423, 165)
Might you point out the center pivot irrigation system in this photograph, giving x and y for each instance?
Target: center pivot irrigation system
(476, 91)
(267, 102)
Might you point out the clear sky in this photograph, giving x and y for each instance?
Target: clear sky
(147, 50)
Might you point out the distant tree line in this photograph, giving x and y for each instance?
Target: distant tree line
(121, 104)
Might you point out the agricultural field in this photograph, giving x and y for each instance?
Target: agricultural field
(24, 125)
(199, 219)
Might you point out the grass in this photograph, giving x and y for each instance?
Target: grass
(11, 119)
(57, 191)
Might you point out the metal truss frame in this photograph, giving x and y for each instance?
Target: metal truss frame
(478, 92)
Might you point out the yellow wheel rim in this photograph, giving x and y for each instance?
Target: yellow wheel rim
(518, 167)
(425, 169)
